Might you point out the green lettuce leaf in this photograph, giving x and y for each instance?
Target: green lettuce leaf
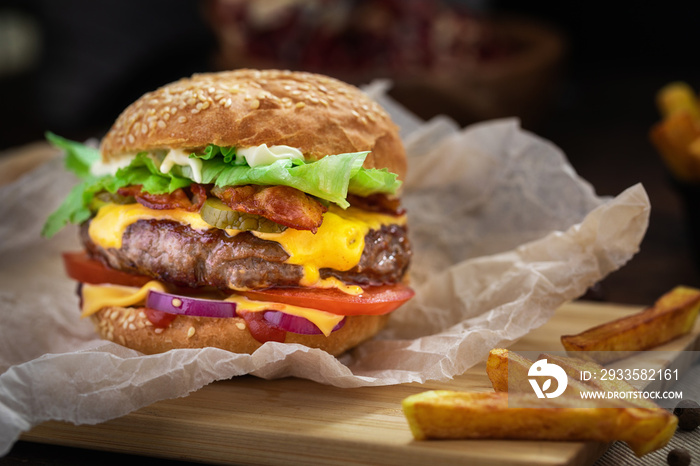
(326, 179)
(329, 179)
(373, 180)
(79, 157)
(75, 207)
(144, 171)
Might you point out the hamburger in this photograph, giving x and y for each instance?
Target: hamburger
(235, 208)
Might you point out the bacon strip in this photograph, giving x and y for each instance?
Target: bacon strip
(282, 204)
(178, 199)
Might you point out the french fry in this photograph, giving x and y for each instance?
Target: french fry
(678, 97)
(575, 366)
(446, 414)
(508, 372)
(672, 316)
(676, 138)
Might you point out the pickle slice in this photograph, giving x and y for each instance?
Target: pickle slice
(219, 215)
(106, 197)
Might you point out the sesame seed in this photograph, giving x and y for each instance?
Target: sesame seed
(132, 317)
(190, 332)
(161, 124)
(132, 327)
(228, 103)
(158, 330)
(300, 105)
(296, 92)
(254, 104)
(205, 105)
(240, 325)
(180, 119)
(122, 340)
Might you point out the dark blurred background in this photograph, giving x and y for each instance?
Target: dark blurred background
(579, 74)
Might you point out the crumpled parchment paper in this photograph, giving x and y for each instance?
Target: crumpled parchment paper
(503, 229)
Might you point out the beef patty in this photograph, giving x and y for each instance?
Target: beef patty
(175, 253)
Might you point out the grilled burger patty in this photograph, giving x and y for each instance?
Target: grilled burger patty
(175, 253)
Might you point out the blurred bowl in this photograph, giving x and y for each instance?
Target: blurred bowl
(441, 58)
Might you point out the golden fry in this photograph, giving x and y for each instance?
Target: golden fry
(575, 366)
(446, 414)
(676, 138)
(672, 315)
(508, 372)
(678, 97)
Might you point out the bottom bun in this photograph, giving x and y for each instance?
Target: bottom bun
(131, 328)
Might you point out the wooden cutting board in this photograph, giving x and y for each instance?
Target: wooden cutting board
(247, 420)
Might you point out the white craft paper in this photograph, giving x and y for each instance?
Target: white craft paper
(504, 232)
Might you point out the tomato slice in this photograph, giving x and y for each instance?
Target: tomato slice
(374, 300)
(85, 270)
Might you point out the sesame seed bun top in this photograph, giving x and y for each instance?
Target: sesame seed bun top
(317, 114)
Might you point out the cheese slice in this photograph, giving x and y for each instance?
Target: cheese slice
(338, 244)
(108, 226)
(96, 297)
(325, 321)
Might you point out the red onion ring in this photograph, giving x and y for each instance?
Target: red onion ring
(198, 307)
(187, 306)
(295, 324)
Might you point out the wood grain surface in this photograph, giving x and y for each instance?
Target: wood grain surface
(247, 420)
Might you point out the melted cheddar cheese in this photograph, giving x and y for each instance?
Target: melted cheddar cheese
(108, 226)
(96, 297)
(338, 243)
